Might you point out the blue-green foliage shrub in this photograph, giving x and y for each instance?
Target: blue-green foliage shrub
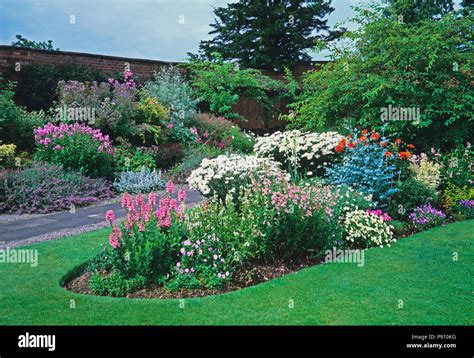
(366, 169)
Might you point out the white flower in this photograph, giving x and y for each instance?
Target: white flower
(230, 173)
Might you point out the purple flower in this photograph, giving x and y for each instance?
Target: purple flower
(468, 204)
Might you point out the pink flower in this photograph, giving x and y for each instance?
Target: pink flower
(170, 125)
(182, 195)
(170, 187)
(110, 215)
(127, 201)
(114, 237)
(152, 199)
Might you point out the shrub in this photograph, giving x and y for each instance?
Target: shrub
(425, 217)
(152, 116)
(452, 195)
(401, 228)
(426, 171)
(229, 173)
(220, 84)
(466, 208)
(44, 188)
(146, 243)
(131, 158)
(361, 80)
(193, 157)
(144, 181)
(166, 155)
(114, 104)
(410, 194)
(274, 222)
(458, 166)
(347, 200)
(7, 155)
(16, 124)
(214, 125)
(299, 151)
(221, 133)
(297, 220)
(201, 264)
(171, 90)
(365, 230)
(239, 141)
(368, 165)
(75, 146)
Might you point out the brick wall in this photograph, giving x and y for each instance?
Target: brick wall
(10, 56)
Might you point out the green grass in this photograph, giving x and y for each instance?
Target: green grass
(420, 270)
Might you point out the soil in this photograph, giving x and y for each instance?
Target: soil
(250, 277)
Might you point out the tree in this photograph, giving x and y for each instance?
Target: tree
(466, 7)
(385, 64)
(411, 11)
(25, 43)
(267, 34)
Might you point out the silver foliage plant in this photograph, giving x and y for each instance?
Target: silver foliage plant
(171, 89)
(143, 181)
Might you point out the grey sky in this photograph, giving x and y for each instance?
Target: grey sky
(155, 29)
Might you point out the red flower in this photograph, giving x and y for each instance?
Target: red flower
(365, 131)
(383, 144)
(375, 136)
(411, 146)
(339, 148)
(405, 155)
(351, 145)
(398, 141)
(388, 154)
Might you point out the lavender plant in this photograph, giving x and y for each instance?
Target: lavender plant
(425, 217)
(43, 188)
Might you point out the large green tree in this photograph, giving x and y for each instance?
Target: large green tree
(387, 64)
(267, 34)
(411, 11)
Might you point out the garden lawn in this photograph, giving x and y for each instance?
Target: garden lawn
(420, 270)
